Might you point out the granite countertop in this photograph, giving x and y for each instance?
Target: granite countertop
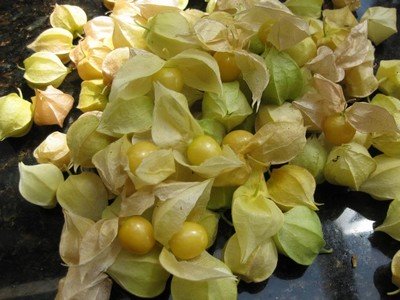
(29, 235)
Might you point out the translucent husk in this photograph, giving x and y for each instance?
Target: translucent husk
(303, 51)
(305, 8)
(381, 23)
(112, 63)
(15, 116)
(213, 128)
(54, 150)
(301, 237)
(84, 195)
(169, 34)
(389, 81)
(313, 158)
(291, 186)
(251, 201)
(258, 267)
(51, 106)
(93, 95)
(38, 183)
(84, 141)
(55, 40)
(349, 165)
(141, 275)
(43, 69)
(69, 17)
(383, 183)
(127, 33)
(391, 224)
(277, 113)
(99, 28)
(230, 108)
(223, 288)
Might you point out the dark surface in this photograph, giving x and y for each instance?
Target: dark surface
(29, 262)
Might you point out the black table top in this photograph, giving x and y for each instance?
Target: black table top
(29, 235)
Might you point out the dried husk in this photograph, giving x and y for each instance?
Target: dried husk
(54, 149)
(93, 96)
(69, 17)
(51, 106)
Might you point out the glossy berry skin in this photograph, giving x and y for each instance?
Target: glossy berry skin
(190, 241)
(202, 148)
(338, 130)
(136, 235)
(171, 78)
(138, 152)
(236, 139)
(227, 66)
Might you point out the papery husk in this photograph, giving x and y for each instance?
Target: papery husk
(383, 183)
(230, 108)
(213, 128)
(276, 143)
(84, 141)
(138, 202)
(110, 165)
(55, 40)
(291, 186)
(15, 116)
(360, 81)
(303, 51)
(206, 78)
(184, 199)
(301, 236)
(349, 165)
(51, 106)
(154, 168)
(141, 275)
(99, 28)
(93, 95)
(258, 267)
(387, 75)
(226, 162)
(173, 124)
(280, 64)
(112, 63)
(381, 23)
(75, 227)
(38, 183)
(128, 116)
(352, 4)
(54, 149)
(43, 69)
(254, 73)
(97, 251)
(69, 17)
(391, 224)
(278, 113)
(326, 99)
(203, 267)
(127, 33)
(325, 65)
(83, 194)
(366, 117)
(252, 201)
(134, 78)
(305, 8)
(313, 158)
(169, 34)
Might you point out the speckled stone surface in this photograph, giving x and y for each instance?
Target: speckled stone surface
(30, 266)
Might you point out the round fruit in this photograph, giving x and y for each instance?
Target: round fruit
(136, 235)
(202, 148)
(227, 66)
(236, 139)
(138, 152)
(189, 242)
(338, 130)
(171, 78)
